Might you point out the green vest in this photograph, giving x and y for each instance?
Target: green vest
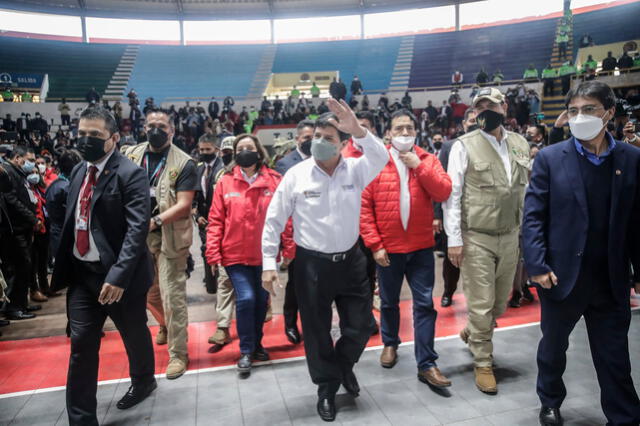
(549, 73)
(295, 93)
(178, 235)
(498, 76)
(26, 97)
(490, 204)
(7, 95)
(530, 73)
(566, 70)
(315, 90)
(636, 61)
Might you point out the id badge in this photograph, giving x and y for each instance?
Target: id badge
(81, 224)
(152, 192)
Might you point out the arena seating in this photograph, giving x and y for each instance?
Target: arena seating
(509, 48)
(73, 68)
(371, 60)
(195, 71)
(609, 25)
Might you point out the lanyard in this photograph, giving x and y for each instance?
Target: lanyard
(158, 170)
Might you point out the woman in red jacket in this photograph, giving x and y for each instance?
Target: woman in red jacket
(234, 233)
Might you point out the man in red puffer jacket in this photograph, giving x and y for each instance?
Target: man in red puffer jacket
(396, 224)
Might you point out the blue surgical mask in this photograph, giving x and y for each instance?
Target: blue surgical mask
(28, 166)
(33, 179)
(323, 150)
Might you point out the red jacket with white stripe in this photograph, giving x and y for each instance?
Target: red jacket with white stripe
(236, 218)
(380, 222)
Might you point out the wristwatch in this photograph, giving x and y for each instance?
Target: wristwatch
(157, 220)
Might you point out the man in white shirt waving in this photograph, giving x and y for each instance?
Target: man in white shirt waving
(323, 198)
(489, 173)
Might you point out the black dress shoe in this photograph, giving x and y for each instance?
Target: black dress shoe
(244, 364)
(260, 354)
(293, 335)
(514, 302)
(327, 409)
(350, 383)
(136, 394)
(19, 315)
(33, 308)
(4, 323)
(550, 417)
(445, 302)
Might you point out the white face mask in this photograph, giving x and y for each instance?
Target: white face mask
(586, 127)
(42, 168)
(403, 143)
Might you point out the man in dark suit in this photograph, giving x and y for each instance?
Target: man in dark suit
(580, 234)
(450, 274)
(17, 233)
(304, 135)
(103, 259)
(208, 169)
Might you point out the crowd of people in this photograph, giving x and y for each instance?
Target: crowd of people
(360, 200)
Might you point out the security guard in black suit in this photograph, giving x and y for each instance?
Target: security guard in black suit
(208, 168)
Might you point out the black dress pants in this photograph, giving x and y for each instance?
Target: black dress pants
(450, 274)
(86, 318)
(319, 283)
(290, 307)
(607, 324)
(40, 260)
(16, 254)
(210, 281)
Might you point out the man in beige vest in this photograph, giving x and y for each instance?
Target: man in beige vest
(173, 181)
(489, 173)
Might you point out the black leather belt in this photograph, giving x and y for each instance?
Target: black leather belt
(332, 257)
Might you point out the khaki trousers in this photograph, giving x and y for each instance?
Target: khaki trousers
(225, 299)
(488, 268)
(167, 297)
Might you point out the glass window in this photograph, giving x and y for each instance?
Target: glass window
(325, 28)
(196, 32)
(40, 23)
(132, 29)
(409, 21)
(488, 11)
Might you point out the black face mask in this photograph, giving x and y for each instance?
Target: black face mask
(226, 158)
(437, 145)
(157, 137)
(528, 137)
(305, 147)
(489, 120)
(91, 148)
(472, 128)
(247, 158)
(207, 158)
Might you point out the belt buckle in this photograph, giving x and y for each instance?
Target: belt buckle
(337, 258)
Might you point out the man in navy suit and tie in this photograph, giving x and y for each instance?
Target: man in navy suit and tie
(304, 134)
(103, 259)
(581, 234)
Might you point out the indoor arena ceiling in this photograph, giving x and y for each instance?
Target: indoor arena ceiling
(219, 9)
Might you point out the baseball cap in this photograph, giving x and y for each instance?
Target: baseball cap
(227, 143)
(491, 93)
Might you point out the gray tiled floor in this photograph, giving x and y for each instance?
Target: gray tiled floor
(282, 394)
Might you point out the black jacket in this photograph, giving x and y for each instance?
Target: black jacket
(119, 222)
(19, 206)
(203, 202)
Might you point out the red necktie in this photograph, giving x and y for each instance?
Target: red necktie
(82, 236)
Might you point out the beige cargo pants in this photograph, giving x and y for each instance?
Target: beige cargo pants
(225, 299)
(488, 268)
(167, 297)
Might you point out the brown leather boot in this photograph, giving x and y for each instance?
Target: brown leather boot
(161, 337)
(389, 357)
(434, 377)
(485, 380)
(37, 296)
(220, 337)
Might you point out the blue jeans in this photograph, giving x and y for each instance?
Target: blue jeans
(418, 266)
(251, 304)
